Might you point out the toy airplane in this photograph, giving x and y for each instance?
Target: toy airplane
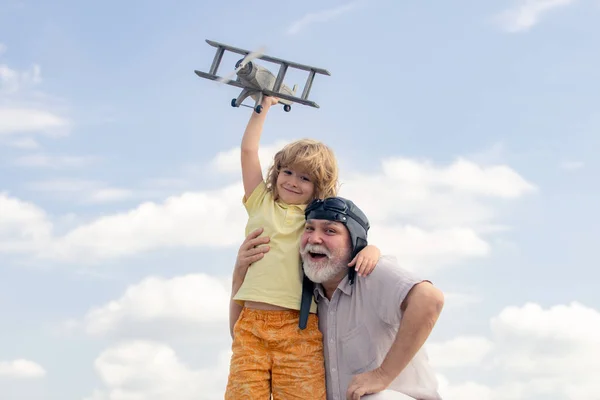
(257, 81)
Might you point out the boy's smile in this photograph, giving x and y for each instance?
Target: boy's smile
(294, 186)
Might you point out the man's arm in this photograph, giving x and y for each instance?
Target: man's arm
(250, 251)
(251, 169)
(421, 309)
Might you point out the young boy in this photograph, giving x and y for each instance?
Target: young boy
(271, 355)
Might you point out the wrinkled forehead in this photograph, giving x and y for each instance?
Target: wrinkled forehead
(324, 223)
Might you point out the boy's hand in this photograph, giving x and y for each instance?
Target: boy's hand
(365, 260)
(269, 101)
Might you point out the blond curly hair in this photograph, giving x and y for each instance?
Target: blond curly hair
(312, 156)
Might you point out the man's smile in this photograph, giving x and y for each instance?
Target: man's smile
(316, 252)
(316, 255)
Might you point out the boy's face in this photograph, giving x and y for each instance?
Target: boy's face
(294, 186)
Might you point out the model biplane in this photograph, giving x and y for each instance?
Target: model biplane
(257, 81)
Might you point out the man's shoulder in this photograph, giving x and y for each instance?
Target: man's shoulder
(386, 288)
(388, 262)
(389, 269)
(389, 276)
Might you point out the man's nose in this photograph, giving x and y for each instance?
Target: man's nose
(315, 238)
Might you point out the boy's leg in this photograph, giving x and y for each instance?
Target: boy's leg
(298, 361)
(250, 368)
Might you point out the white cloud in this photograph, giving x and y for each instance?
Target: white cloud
(427, 215)
(456, 299)
(527, 13)
(321, 17)
(464, 391)
(69, 186)
(58, 162)
(19, 116)
(418, 248)
(494, 154)
(20, 108)
(12, 81)
(190, 304)
(571, 165)
(24, 143)
(434, 196)
(462, 175)
(21, 120)
(179, 221)
(228, 162)
(532, 353)
(24, 227)
(86, 191)
(146, 370)
(431, 215)
(213, 218)
(110, 194)
(562, 341)
(21, 369)
(459, 352)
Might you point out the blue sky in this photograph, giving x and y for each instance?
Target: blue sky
(466, 130)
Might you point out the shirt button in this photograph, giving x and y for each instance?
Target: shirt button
(331, 341)
(333, 369)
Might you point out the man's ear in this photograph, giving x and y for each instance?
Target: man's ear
(360, 244)
(351, 274)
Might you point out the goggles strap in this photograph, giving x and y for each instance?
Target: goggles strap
(307, 295)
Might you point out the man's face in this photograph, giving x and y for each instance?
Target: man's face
(325, 249)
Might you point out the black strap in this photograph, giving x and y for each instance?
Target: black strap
(307, 296)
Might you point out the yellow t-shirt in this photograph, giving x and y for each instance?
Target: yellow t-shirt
(276, 278)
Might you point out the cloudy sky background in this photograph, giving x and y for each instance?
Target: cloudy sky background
(468, 132)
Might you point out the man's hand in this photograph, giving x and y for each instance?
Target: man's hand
(250, 252)
(247, 254)
(367, 383)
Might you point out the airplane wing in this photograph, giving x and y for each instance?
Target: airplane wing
(269, 58)
(284, 96)
(215, 77)
(293, 99)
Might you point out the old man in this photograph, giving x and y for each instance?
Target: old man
(373, 327)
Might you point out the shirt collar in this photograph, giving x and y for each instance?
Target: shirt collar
(294, 207)
(344, 286)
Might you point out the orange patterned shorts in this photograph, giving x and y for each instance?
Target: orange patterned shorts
(271, 355)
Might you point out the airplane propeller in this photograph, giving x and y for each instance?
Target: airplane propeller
(249, 57)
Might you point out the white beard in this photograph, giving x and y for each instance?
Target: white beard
(327, 267)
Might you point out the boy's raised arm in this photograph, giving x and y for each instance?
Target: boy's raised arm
(251, 169)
